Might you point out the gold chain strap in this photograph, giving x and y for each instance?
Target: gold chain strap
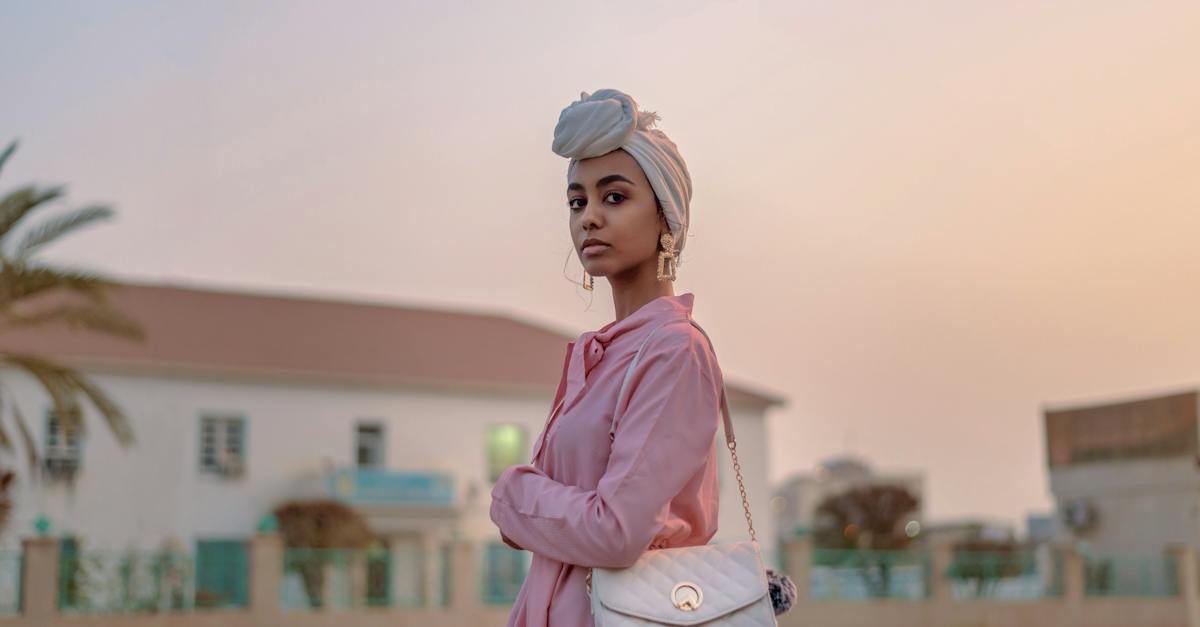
(737, 472)
(737, 469)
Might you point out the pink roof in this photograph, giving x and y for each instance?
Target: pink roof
(209, 331)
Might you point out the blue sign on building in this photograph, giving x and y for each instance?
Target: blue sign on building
(365, 485)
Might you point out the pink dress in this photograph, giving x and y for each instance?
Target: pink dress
(585, 501)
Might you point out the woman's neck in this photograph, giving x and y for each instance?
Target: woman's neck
(629, 300)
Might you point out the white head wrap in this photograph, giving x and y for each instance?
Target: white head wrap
(609, 119)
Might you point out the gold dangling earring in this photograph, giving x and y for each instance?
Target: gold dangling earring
(666, 257)
(587, 281)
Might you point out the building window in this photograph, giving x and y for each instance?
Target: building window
(369, 445)
(223, 445)
(62, 456)
(506, 446)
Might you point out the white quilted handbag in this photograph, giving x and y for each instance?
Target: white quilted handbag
(712, 585)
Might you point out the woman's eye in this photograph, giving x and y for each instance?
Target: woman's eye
(571, 203)
(617, 194)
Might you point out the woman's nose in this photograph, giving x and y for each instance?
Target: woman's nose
(591, 214)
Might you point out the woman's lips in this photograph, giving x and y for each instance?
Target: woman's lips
(593, 249)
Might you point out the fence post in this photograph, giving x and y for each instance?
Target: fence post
(1074, 588)
(39, 579)
(1186, 576)
(1073, 584)
(799, 562)
(329, 574)
(431, 571)
(266, 575)
(941, 555)
(464, 579)
(358, 564)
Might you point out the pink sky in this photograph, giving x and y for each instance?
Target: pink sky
(918, 221)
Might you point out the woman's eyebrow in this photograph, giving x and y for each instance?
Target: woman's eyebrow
(601, 183)
(611, 178)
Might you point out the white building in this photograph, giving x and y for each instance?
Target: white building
(1044, 528)
(1124, 472)
(240, 402)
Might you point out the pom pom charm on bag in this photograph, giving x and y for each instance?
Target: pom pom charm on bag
(782, 591)
(666, 258)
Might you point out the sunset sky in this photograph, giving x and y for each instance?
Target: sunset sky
(918, 221)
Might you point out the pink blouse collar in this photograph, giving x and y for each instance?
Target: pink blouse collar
(589, 347)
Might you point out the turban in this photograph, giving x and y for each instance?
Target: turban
(609, 119)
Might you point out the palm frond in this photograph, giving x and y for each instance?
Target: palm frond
(63, 384)
(118, 423)
(23, 429)
(12, 147)
(5, 441)
(101, 319)
(6, 497)
(56, 384)
(21, 202)
(53, 228)
(22, 281)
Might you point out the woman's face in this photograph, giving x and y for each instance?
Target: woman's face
(610, 199)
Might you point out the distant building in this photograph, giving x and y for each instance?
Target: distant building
(242, 401)
(962, 530)
(1044, 528)
(797, 498)
(1124, 473)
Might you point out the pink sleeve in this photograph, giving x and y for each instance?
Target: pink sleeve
(661, 441)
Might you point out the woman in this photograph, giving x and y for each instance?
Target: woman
(612, 477)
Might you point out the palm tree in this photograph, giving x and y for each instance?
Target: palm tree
(36, 294)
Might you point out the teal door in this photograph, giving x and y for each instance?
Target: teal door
(222, 573)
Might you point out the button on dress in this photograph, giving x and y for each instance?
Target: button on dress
(584, 500)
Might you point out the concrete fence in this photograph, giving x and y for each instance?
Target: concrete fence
(1071, 607)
